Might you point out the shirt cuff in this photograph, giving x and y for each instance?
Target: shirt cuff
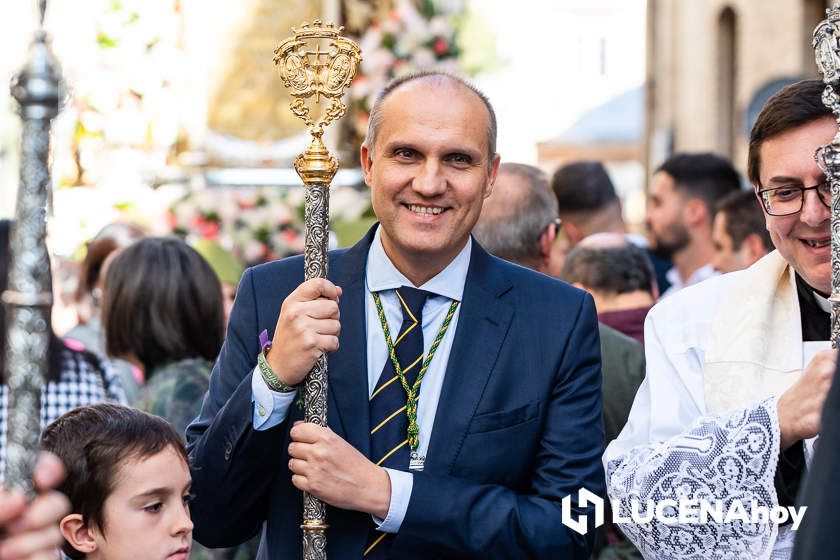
(401, 484)
(270, 407)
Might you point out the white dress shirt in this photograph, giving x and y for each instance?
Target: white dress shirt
(271, 408)
(673, 276)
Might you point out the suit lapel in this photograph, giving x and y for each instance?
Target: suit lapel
(347, 366)
(483, 324)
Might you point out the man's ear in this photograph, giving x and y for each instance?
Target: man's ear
(696, 212)
(547, 238)
(76, 532)
(367, 163)
(492, 174)
(753, 248)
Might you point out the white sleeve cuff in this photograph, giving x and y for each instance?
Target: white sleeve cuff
(401, 484)
(270, 407)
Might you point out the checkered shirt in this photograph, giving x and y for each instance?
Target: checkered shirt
(85, 379)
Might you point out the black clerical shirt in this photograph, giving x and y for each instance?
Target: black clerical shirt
(816, 325)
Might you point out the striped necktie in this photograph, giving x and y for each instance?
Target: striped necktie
(388, 419)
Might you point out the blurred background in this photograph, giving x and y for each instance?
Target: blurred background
(176, 119)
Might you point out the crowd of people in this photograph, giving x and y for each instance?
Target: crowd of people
(498, 341)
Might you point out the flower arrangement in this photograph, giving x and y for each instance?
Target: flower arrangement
(414, 36)
(257, 224)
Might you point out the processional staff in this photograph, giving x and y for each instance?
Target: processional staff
(28, 297)
(316, 65)
(826, 46)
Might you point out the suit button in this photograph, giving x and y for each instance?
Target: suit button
(228, 451)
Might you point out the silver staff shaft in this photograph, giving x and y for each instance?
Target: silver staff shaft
(316, 221)
(27, 298)
(827, 52)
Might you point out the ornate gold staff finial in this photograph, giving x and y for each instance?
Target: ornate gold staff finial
(317, 64)
(313, 74)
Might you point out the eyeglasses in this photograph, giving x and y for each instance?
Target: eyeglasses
(787, 200)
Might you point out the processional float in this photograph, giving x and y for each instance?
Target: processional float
(826, 45)
(28, 297)
(316, 65)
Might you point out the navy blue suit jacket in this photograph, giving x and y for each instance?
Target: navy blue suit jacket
(518, 424)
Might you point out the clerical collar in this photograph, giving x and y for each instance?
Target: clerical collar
(814, 313)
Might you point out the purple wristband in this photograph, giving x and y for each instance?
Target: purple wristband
(264, 341)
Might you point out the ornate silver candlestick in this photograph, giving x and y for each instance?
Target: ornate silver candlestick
(28, 297)
(826, 45)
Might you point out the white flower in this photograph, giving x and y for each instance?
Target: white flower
(252, 251)
(296, 197)
(378, 62)
(439, 26)
(185, 214)
(423, 58)
(371, 39)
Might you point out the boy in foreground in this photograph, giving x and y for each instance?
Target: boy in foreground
(128, 484)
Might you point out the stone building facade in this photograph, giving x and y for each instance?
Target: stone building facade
(712, 63)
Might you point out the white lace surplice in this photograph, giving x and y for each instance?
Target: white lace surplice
(675, 447)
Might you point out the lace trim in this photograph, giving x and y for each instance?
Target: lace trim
(724, 458)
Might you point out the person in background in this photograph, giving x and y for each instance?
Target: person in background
(519, 222)
(681, 205)
(739, 233)
(620, 278)
(74, 377)
(516, 224)
(588, 205)
(162, 311)
(87, 334)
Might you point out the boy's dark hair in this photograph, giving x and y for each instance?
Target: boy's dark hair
(610, 270)
(706, 176)
(744, 217)
(793, 106)
(93, 442)
(163, 303)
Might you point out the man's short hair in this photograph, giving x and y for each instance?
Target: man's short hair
(743, 218)
(706, 176)
(93, 442)
(791, 107)
(610, 270)
(583, 187)
(438, 78)
(513, 232)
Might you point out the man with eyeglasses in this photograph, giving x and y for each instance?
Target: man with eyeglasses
(738, 367)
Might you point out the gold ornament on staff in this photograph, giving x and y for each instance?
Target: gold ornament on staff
(316, 65)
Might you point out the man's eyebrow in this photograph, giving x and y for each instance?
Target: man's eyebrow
(785, 180)
(398, 145)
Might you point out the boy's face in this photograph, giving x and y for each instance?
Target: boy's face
(147, 516)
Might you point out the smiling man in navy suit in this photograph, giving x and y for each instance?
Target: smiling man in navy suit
(464, 399)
